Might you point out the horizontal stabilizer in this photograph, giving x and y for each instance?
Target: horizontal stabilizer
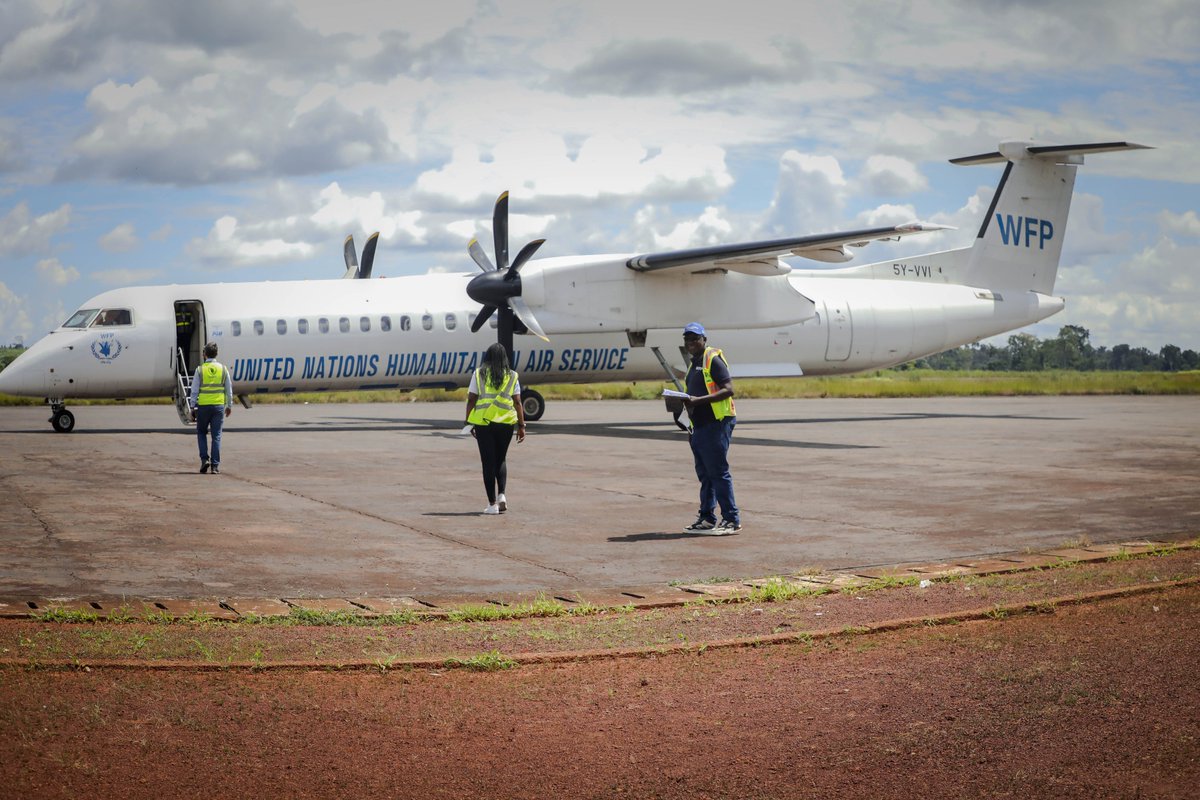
(1011, 150)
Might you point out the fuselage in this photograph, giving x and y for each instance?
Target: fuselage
(414, 332)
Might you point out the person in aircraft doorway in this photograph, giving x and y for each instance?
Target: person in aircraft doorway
(494, 410)
(212, 403)
(710, 407)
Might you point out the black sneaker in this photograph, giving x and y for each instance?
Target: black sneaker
(204, 467)
(216, 470)
(701, 525)
(726, 527)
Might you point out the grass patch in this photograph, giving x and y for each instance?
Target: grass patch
(878, 584)
(777, 590)
(540, 606)
(484, 662)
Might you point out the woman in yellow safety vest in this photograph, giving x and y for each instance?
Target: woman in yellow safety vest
(494, 411)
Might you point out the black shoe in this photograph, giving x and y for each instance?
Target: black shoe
(216, 469)
(204, 467)
(701, 525)
(724, 529)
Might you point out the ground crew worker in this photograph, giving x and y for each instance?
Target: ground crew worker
(494, 410)
(212, 402)
(710, 407)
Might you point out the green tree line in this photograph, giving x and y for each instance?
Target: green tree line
(1070, 350)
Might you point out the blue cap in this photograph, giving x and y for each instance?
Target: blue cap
(696, 328)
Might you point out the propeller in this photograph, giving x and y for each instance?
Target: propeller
(498, 289)
(353, 269)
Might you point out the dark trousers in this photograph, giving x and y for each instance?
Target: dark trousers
(210, 418)
(493, 441)
(710, 448)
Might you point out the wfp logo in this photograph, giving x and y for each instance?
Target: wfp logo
(106, 348)
(1022, 231)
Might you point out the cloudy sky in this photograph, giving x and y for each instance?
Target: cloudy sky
(153, 141)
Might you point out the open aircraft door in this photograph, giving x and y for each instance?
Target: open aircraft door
(191, 333)
(841, 329)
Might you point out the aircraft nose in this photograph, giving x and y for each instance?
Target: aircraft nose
(23, 377)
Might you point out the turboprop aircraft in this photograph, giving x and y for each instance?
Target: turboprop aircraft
(580, 318)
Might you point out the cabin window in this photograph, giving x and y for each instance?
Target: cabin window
(323, 324)
(344, 324)
(81, 318)
(258, 327)
(405, 323)
(235, 328)
(113, 316)
(427, 322)
(302, 325)
(281, 326)
(451, 322)
(494, 321)
(385, 323)
(364, 324)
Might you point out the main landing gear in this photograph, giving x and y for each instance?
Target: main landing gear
(62, 420)
(533, 404)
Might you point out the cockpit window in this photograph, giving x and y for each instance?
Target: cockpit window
(81, 318)
(113, 316)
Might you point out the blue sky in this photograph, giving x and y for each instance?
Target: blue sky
(153, 143)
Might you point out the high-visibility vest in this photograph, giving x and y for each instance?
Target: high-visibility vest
(724, 408)
(212, 384)
(495, 403)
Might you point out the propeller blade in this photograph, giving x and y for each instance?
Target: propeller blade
(504, 330)
(526, 253)
(500, 230)
(526, 316)
(480, 257)
(368, 255)
(351, 259)
(482, 317)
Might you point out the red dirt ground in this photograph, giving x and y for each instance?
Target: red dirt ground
(1095, 700)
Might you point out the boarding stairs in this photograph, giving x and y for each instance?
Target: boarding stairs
(183, 390)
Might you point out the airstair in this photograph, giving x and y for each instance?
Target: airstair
(183, 390)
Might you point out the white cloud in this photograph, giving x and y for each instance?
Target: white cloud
(1185, 224)
(890, 175)
(110, 97)
(228, 245)
(120, 239)
(710, 228)
(339, 212)
(539, 165)
(52, 270)
(21, 233)
(13, 311)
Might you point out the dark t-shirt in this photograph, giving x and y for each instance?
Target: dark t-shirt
(703, 414)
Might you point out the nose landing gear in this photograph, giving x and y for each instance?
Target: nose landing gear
(62, 420)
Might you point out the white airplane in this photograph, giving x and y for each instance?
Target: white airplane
(593, 318)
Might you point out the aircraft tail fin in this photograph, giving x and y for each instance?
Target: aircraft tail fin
(1020, 240)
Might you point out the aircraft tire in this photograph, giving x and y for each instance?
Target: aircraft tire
(533, 403)
(63, 421)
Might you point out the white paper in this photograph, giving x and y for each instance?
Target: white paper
(466, 431)
(673, 393)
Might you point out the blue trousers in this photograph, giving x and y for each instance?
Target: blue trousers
(710, 448)
(210, 418)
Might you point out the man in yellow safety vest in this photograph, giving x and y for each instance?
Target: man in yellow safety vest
(710, 406)
(211, 402)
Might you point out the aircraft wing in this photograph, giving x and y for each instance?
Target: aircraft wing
(761, 258)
